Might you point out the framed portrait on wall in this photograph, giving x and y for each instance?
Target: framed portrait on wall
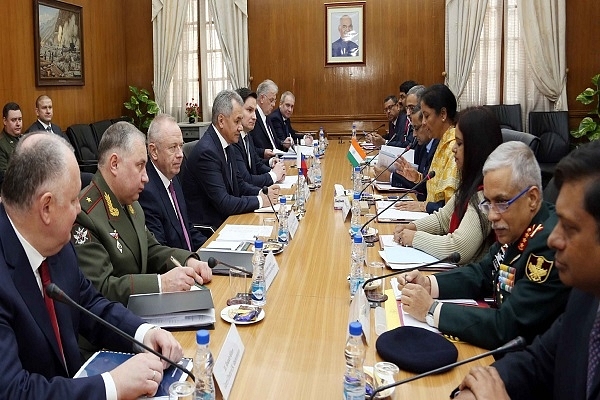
(344, 33)
(58, 35)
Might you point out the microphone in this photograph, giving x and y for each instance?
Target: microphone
(515, 344)
(370, 161)
(213, 262)
(265, 191)
(427, 177)
(410, 146)
(374, 130)
(452, 258)
(56, 293)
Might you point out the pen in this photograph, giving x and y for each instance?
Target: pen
(178, 264)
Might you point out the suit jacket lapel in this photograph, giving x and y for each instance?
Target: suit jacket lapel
(166, 200)
(221, 155)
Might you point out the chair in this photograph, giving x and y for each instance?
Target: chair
(100, 127)
(188, 147)
(509, 115)
(508, 135)
(83, 140)
(550, 192)
(552, 127)
(123, 118)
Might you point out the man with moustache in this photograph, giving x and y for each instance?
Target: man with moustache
(162, 198)
(13, 124)
(213, 188)
(562, 363)
(518, 272)
(250, 166)
(115, 249)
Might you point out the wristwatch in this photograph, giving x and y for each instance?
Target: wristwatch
(429, 318)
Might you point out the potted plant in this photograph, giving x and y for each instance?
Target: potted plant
(191, 111)
(143, 106)
(589, 127)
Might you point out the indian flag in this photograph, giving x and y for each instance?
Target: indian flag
(356, 154)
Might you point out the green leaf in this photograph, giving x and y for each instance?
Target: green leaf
(594, 135)
(138, 113)
(152, 109)
(143, 98)
(134, 90)
(595, 80)
(587, 96)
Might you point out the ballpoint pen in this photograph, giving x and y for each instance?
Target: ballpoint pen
(178, 264)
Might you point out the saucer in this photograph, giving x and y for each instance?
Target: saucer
(226, 317)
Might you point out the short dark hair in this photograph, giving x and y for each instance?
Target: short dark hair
(10, 107)
(581, 164)
(392, 98)
(245, 93)
(32, 167)
(439, 96)
(406, 86)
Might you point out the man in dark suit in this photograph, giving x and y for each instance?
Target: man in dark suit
(45, 111)
(264, 137)
(281, 122)
(39, 335)
(116, 251)
(212, 186)
(252, 168)
(399, 131)
(162, 198)
(562, 363)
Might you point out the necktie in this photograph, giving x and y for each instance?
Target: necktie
(594, 353)
(179, 216)
(406, 128)
(228, 157)
(49, 128)
(246, 146)
(271, 137)
(45, 275)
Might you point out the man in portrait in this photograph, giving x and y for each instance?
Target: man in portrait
(344, 46)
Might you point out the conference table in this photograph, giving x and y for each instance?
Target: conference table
(297, 350)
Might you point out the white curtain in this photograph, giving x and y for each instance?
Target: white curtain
(231, 22)
(168, 19)
(543, 25)
(464, 23)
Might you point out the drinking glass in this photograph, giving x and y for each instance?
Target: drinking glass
(182, 391)
(238, 288)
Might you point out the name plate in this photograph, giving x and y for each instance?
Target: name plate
(271, 269)
(228, 362)
(292, 224)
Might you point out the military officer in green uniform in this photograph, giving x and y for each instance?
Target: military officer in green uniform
(115, 249)
(518, 273)
(13, 125)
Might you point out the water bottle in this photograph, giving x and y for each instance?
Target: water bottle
(355, 220)
(282, 232)
(316, 165)
(353, 131)
(354, 377)
(356, 180)
(357, 261)
(316, 150)
(300, 195)
(322, 143)
(258, 287)
(203, 366)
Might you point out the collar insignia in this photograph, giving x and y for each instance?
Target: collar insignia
(112, 210)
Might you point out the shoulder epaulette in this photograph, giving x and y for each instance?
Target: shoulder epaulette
(89, 198)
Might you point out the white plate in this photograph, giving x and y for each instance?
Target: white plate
(370, 232)
(226, 317)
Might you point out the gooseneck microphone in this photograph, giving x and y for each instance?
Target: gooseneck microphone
(452, 258)
(213, 262)
(427, 177)
(515, 344)
(410, 146)
(374, 130)
(56, 293)
(265, 191)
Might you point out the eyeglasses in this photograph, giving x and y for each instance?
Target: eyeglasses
(389, 108)
(410, 108)
(485, 206)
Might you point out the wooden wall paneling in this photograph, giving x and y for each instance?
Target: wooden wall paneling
(404, 40)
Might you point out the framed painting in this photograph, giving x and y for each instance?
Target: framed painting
(344, 33)
(58, 35)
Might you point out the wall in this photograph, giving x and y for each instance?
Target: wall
(117, 52)
(404, 40)
(287, 45)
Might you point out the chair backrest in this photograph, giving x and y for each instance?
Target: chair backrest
(508, 135)
(187, 150)
(552, 127)
(123, 118)
(550, 192)
(100, 127)
(509, 115)
(83, 140)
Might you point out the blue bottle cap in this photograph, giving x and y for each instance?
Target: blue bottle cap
(356, 169)
(358, 238)
(202, 336)
(356, 195)
(282, 200)
(355, 328)
(299, 171)
(258, 244)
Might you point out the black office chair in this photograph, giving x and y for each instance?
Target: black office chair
(552, 127)
(123, 118)
(83, 140)
(550, 192)
(509, 115)
(100, 127)
(508, 135)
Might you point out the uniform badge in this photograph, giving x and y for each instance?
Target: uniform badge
(81, 235)
(538, 268)
(115, 235)
(112, 210)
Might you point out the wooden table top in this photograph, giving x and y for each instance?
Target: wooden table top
(297, 351)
